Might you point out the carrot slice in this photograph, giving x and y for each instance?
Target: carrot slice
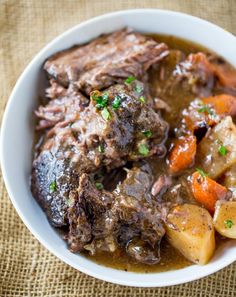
(222, 104)
(183, 154)
(226, 75)
(207, 191)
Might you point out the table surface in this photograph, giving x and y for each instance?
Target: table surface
(26, 267)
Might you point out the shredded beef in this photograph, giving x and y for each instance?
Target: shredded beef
(106, 60)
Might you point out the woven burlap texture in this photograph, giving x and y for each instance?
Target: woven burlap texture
(26, 267)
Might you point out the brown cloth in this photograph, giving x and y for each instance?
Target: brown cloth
(26, 267)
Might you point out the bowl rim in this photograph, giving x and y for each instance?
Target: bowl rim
(111, 278)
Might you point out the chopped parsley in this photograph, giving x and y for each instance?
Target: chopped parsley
(222, 150)
(143, 149)
(142, 99)
(101, 101)
(101, 149)
(53, 186)
(116, 103)
(139, 89)
(206, 109)
(99, 186)
(201, 172)
(130, 79)
(228, 224)
(106, 114)
(147, 133)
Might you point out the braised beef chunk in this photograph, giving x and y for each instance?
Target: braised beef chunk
(55, 174)
(161, 185)
(110, 135)
(143, 253)
(106, 60)
(102, 220)
(55, 90)
(65, 109)
(52, 182)
(137, 183)
(90, 217)
(85, 139)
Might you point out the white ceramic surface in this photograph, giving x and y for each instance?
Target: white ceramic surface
(17, 136)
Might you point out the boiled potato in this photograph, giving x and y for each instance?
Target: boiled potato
(225, 218)
(229, 180)
(190, 229)
(217, 150)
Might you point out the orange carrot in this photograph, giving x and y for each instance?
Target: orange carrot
(222, 104)
(207, 191)
(225, 74)
(183, 153)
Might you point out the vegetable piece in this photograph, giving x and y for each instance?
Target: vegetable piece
(130, 79)
(190, 229)
(226, 75)
(230, 178)
(142, 99)
(201, 172)
(207, 191)
(101, 100)
(206, 109)
(106, 114)
(117, 102)
(208, 156)
(139, 89)
(199, 115)
(53, 186)
(183, 154)
(225, 218)
(143, 149)
(228, 224)
(101, 149)
(147, 133)
(222, 150)
(222, 104)
(99, 186)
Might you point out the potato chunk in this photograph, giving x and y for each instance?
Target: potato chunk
(225, 218)
(230, 178)
(190, 229)
(217, 151)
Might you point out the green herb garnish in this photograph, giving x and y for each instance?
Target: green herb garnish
(142, 99)
(222, 150)
(229, 224)
(102, 101)
(130, 79)
(143, 149)
(116, 103)
(139, 89)
(53, 186)
(206, 109)
(201, 172)
(147, 133)
(101, 149)
(99, 186)
(106, 114)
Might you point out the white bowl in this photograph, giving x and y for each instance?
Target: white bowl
(18, 130)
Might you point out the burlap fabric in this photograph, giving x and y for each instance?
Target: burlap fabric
(26, 267)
